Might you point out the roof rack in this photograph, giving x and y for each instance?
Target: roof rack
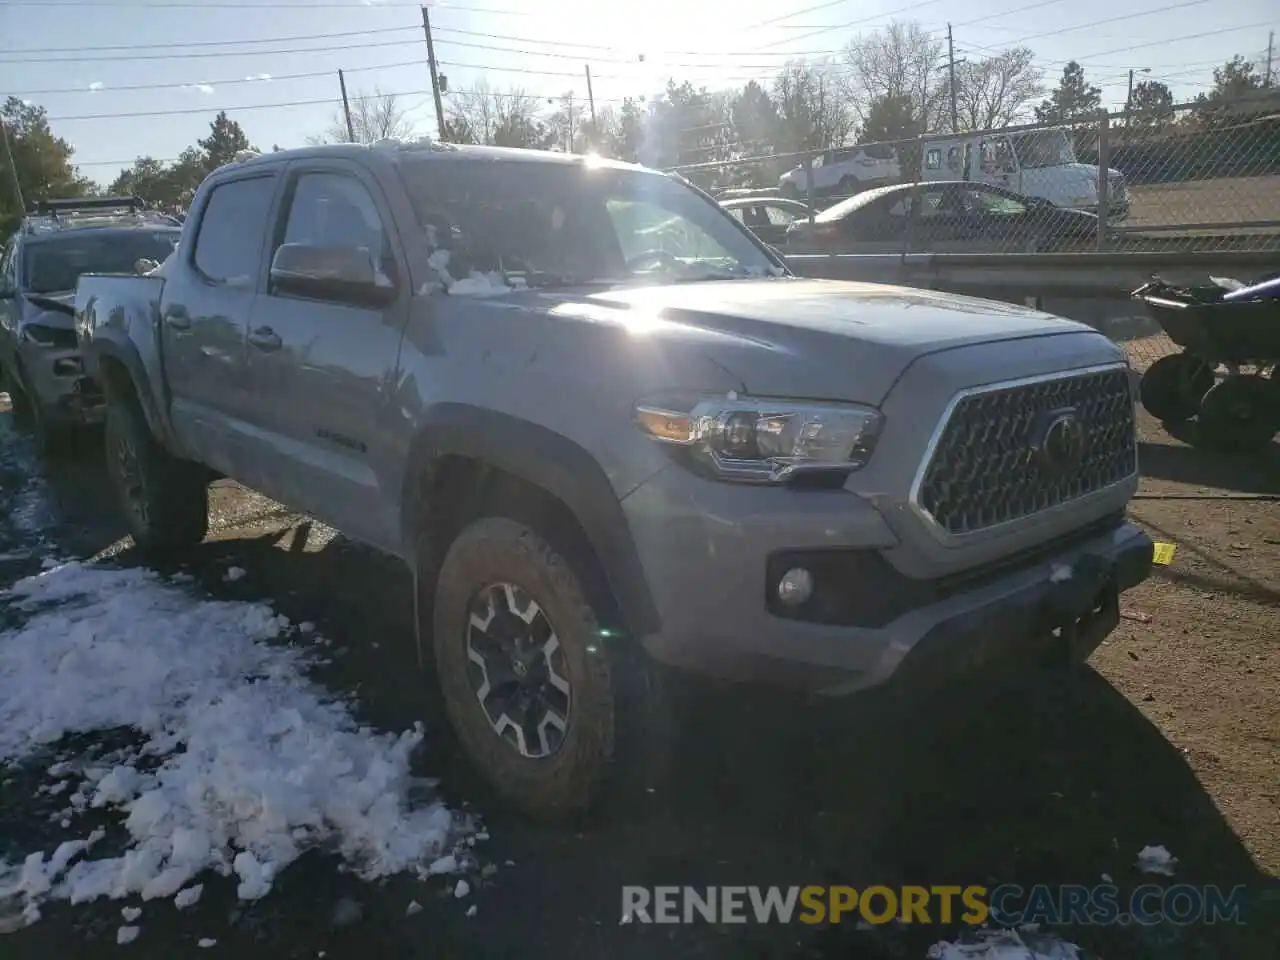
(86, 204)
(50, 216)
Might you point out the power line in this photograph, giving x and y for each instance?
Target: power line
(851, 23)
(1007, 13)
(124, 48)
(257, 5)
(1099, 23)
(261, 78)
(187, 111)
(1137, 46)
(129, 58)
(208, 43)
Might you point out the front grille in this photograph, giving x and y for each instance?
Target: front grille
(985, 469)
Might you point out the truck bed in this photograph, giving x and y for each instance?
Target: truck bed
(117, 315)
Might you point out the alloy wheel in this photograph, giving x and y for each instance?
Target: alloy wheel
(517, 670)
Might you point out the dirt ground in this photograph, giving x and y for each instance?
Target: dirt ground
(1173, 738)
(1206, 668)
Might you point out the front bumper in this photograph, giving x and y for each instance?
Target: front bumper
(709, 552)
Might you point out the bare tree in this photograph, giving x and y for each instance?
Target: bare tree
(375, 116)
(899, 61)
(998, 91)
(567, 122)
(508, 119)
(812, 115)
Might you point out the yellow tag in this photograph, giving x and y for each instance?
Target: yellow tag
(1164, 554)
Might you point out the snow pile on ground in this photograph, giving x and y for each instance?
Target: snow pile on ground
(242, 763)
(1006, 945)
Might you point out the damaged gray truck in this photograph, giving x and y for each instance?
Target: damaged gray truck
(612, 435)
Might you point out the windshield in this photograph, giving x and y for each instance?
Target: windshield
(567, 223)
(54, 265)
(1044, 148)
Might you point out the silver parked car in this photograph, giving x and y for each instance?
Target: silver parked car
(40, 365)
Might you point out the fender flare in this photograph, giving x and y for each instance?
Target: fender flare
(126, 356)
(551, 462)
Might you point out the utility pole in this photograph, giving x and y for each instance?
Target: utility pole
(1271, 44)
(346, 108)
(951, 67)
(13, 170)
(1128, 102)
(569, 116)
(591, 97)
(435, 76)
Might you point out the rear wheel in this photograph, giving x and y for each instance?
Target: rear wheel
(1173, 387)
(1239, 414)
(165, 501)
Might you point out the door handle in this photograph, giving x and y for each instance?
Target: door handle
(178, 318)
(264, 338)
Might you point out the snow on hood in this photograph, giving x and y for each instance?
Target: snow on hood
(241, 762)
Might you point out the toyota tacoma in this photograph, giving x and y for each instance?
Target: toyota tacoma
(614, 437)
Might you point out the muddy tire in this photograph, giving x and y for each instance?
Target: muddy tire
(164, 500)
(539, 694)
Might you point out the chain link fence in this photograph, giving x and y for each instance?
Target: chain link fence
(1183, 178)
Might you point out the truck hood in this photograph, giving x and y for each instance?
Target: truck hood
(807, 338)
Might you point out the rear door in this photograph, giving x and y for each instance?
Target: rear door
(205, 314)
(322, 370)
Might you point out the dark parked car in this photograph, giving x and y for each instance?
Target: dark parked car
(768, 218)
(40, 364)
(946, 216)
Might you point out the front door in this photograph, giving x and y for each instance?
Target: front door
(323, 370)
(204, 319)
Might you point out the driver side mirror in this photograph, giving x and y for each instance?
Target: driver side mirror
(342, 274)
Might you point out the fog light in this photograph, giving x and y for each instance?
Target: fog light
(795, 587)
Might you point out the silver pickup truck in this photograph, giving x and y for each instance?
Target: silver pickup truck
(612, 435)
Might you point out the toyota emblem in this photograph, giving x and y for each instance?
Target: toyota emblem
(1059, 443)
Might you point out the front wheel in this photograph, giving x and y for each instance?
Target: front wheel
(165, 501)
(522, 667)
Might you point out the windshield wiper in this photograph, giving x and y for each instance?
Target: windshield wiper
(543, 281)
(696, 273)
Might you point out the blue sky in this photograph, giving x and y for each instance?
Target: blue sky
(544, 46)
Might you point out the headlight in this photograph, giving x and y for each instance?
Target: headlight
(767, 441)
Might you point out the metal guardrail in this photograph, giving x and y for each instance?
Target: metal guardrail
(1035, 275)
